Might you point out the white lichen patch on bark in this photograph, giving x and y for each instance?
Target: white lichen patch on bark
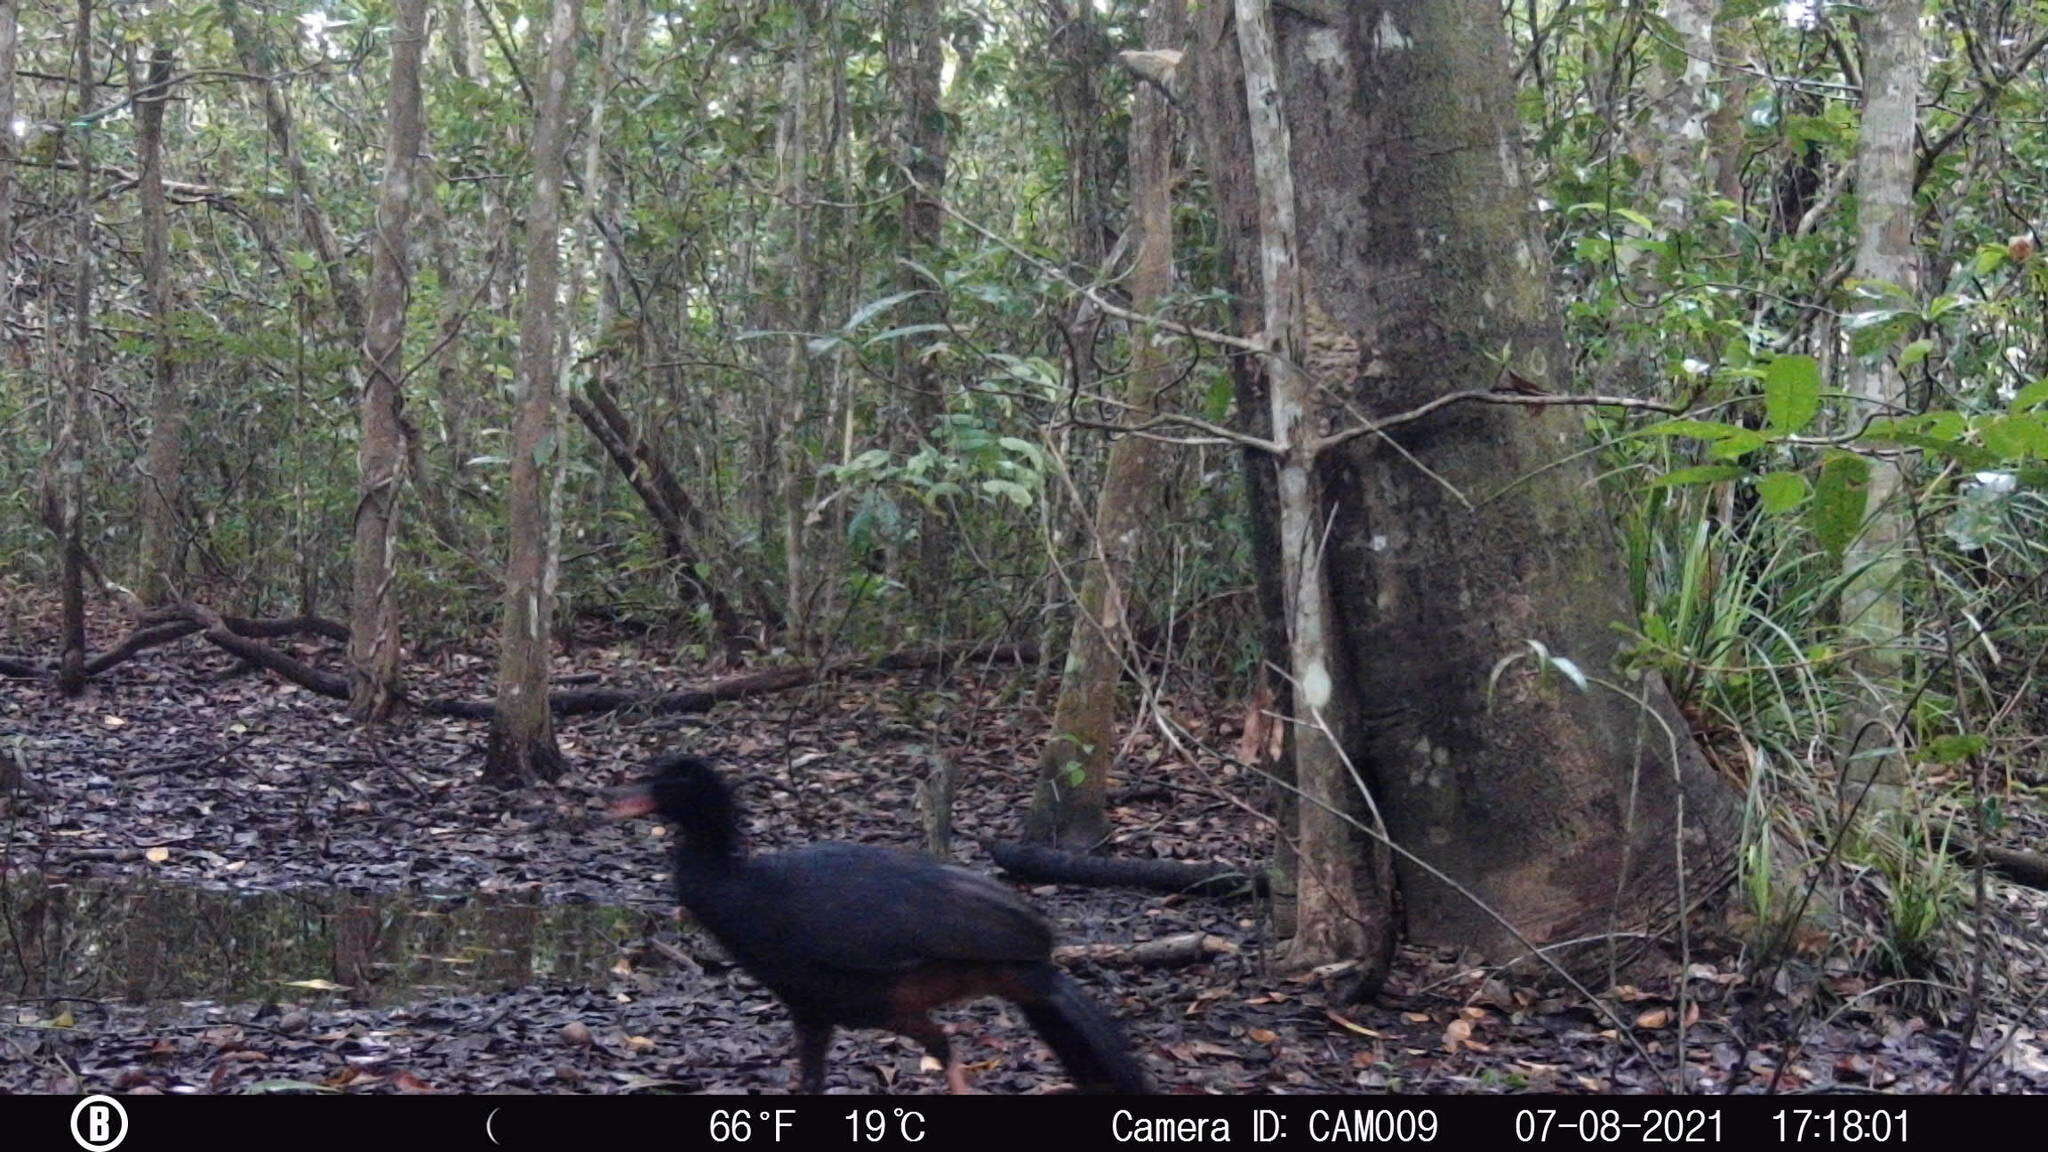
(1389, 37)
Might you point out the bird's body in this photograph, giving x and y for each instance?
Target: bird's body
(850, 935)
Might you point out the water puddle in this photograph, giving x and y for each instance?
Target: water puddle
(144, 942)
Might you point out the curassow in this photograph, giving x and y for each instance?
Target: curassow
(855, 936)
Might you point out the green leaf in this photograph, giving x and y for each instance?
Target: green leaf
(1696, 429)
(1953, 748)
(2032, 396)
(2016, 437)
(872, 308)
(1018, 494)
(1738, 444)
(1781, 491)
(1698, 474)
(1839, 499)
(1792, 393)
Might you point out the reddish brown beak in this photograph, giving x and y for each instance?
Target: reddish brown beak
(631, 801)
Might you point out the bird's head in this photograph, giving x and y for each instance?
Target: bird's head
(682, 789)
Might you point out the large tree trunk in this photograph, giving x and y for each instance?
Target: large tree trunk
(1570, 813)
(163, 466)
(522, 740)
(1872, 612)
(374, 639)
(71, 436)
(1070, 804)
(1681, 101)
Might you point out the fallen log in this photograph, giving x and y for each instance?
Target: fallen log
(263, 655)
(226, 635)
(1039, 864)
(589, 701)
(163, 626)
(2027, 868)
(1165, 952)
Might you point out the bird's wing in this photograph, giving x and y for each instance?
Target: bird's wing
(877, 910)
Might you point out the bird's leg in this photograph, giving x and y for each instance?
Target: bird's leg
(813, 1041)
(932, 1035)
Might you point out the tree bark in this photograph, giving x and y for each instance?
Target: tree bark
(916, 62)
(522, 745)
(1872, 611)
(802, 303)
(256, 57)
(1217, 98)
(1070, 804)
(1681, 98)
(1571, 814)
(71, 436)
(374, 633)
(10, 36)
(163, 465)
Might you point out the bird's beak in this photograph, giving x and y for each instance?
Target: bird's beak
(630, 801)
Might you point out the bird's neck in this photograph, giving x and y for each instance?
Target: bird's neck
(714, 851)
(710, 840)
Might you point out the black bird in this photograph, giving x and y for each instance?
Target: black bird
(855, 936)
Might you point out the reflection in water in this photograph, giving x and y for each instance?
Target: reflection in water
(143, 941)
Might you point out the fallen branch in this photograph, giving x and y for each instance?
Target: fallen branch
(166, 625)
(2028, 868)
(1038, 864)
(1165, 952)
(263, 655)
(588, 701)
(234, 637)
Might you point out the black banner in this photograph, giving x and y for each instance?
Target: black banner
(1051, 1123)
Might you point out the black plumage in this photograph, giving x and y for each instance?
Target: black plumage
(850, 935)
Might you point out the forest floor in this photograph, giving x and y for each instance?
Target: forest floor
(174, 773)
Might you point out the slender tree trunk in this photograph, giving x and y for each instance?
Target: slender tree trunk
(163, 467)
(1872, 611)
(71, 437)
(10, 34)
(801, 284)
(916, 60)
(256, 57)
(1456, 540)
(522, 739)
(1216, 97)
(1070, 805)
(374, 634)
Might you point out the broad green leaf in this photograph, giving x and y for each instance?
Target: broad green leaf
(1018, 494)
(1781, 491)
(2032, 396)
(1698, 474)
(1696, 429)
(1838, 501)
(2016, 437)
(1737, 444)
(1792, 393)
(872, 308)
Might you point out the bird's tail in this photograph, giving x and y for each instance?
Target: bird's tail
(1087, 1040)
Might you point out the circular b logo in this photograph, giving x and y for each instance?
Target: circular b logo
(99, 1124)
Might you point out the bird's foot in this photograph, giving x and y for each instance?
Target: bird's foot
(956, 1079)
